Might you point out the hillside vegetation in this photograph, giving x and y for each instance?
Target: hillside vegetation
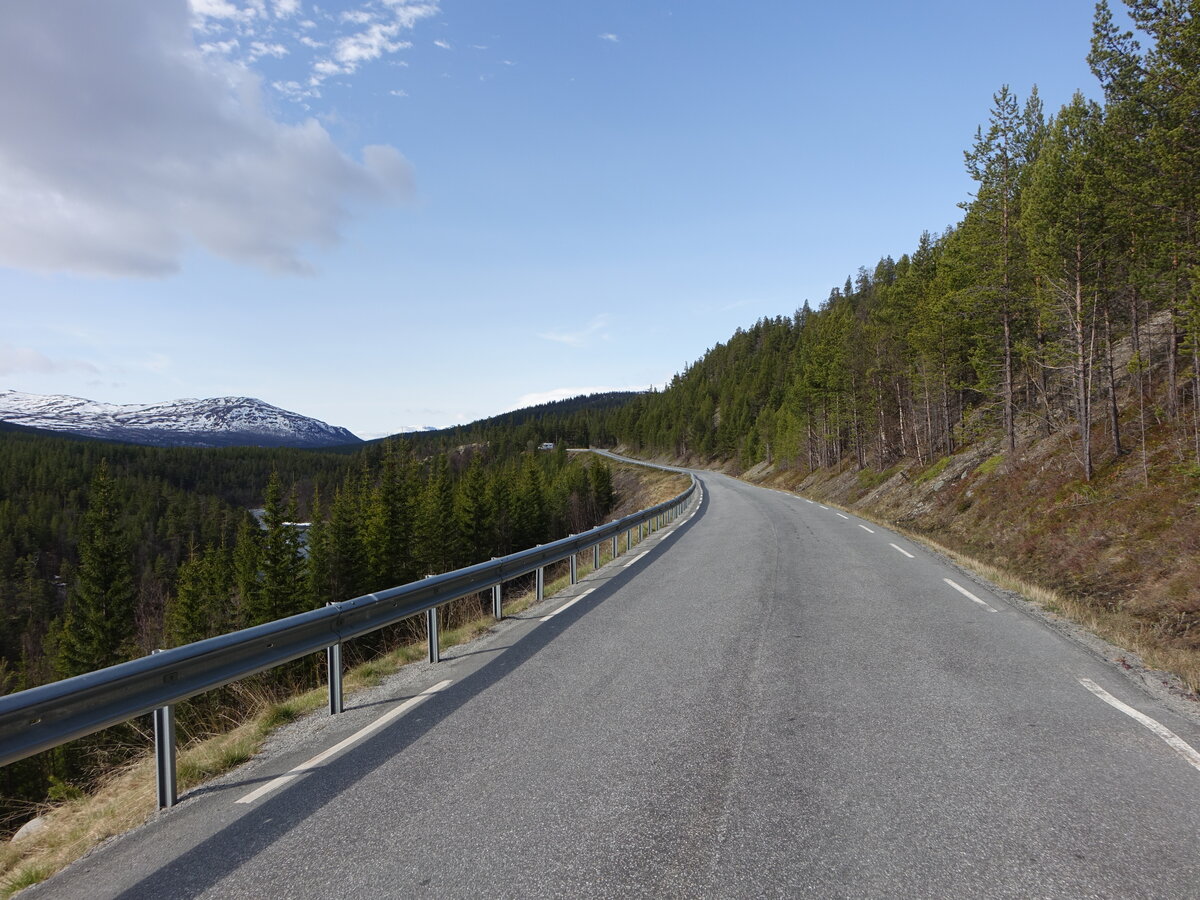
(1023, 386)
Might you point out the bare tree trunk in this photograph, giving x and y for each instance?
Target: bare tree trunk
(1043, 382)
(1082, 394)
(1172, 404)
(900, 412)
(928, 410)
(883, 454)
(1196, 388)
(1114, 413)
(947, 423)
(1010, 430)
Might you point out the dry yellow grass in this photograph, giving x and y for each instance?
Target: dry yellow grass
(127, 798)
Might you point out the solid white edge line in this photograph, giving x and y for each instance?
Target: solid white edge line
(847, 518)
(567, 605)
(962, 590)
(633, 559)
(267, 788)
(341, 745)
(902, 550)
(1178, 744)
(865, 528)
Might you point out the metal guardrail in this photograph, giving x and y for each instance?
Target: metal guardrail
(44, 717)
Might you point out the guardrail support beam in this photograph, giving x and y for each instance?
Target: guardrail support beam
(497, 603)
(333, 663)
(540, 584)
(596, 557)
(431, 623)
(574, 568)
(164, 754)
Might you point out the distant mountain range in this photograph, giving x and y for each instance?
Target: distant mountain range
(215, 422)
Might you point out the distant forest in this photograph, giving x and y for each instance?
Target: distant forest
(109, 551)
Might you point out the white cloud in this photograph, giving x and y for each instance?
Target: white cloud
(17, 360)
(243, 15)
(609, 36)
(398, 93)
(294, 90)
(578, 338)
(167, 147)
(225, 48)
(445, 45)
(258, 50)
(365, 46)
(408, 13)
(358, 16)
(286, 8)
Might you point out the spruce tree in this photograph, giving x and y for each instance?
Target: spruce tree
(98, 627)
(282, 589)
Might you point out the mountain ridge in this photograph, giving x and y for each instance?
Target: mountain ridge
(189, 422)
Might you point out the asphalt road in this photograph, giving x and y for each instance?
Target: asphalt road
(775, 700)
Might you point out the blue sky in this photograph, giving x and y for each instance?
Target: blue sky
(390, 214)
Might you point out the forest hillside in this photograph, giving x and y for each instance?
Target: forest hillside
(1024, 385)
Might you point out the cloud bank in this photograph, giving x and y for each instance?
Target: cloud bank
(23, 360)
(122, 145)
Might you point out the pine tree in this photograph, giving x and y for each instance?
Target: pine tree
(434, 536)
(996, 162)
(98, 627)
(529, 519)
(1064, 223)
(202, 603)
(472, 515)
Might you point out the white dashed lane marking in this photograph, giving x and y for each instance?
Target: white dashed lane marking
(962, 590)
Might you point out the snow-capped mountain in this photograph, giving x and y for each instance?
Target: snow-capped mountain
(216, 422)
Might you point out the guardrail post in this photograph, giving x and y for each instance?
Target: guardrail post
(574, 568)
(595, 557)
(497, 603)
(431, 623)
(539, 582)
(333, 667)
(616, 537)
(164, 754)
